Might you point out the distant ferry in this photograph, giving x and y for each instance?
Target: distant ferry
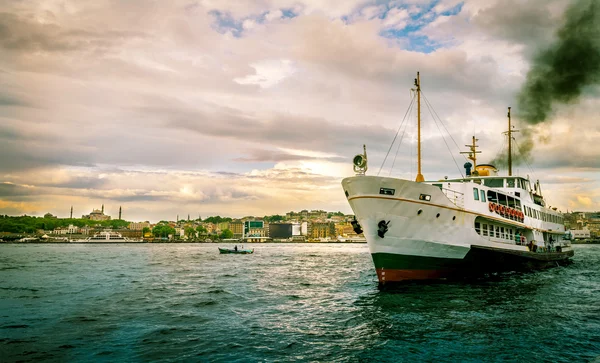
(434, 229)
(107, 237)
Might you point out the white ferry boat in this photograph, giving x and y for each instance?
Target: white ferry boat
(435, 229)
(107, 237)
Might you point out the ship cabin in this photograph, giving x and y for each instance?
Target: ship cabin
(505, 205)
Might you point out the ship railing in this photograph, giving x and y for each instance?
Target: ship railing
(455, 197)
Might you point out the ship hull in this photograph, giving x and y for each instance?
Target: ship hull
(479, 261)
(428, 236)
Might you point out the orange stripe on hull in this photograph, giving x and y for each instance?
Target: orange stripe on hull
(387, 275)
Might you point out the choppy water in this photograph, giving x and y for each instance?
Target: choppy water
(294, 302)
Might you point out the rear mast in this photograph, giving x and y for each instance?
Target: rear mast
(509, 134)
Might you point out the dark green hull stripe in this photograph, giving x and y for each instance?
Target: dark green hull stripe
(480, 259)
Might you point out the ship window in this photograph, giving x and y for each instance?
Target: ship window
(477, 228)
(497, 232)
(482, 195)
(387, 191)
(476, 193)
(510, 183)
(494, 183)
(425, 197)
(484, 229)
(510, 234)
(502, 232)
(518, 204)
(502, 199)
(492, 196)
(511, 202)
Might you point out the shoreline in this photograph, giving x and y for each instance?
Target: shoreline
(177, 242)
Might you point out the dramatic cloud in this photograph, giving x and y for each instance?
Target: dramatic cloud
(253, 108)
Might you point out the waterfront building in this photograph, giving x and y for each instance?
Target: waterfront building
(223, 226)
(577, 234)
(306, 215)
(138, 226)
(318, 230)
(237, 227)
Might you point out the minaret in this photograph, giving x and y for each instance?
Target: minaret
(188, 217)
(102, 208)
(178, 218)
(119, 212)
(71, 212)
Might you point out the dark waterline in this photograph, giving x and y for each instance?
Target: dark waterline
(300, 302)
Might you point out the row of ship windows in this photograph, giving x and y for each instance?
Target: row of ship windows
(511, 202)
(503, 183)
(491, 230)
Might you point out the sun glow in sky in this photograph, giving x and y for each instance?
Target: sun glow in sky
(239, 108)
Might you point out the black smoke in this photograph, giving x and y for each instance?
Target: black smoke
(560, 73)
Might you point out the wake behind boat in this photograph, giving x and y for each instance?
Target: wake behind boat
(455, 227)
(235, 250)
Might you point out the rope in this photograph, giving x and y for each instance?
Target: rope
(398, 149)
(443, 138)
(525, 159)
(449, 134)
(395, 136)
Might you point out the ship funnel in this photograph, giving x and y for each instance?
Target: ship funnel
(486, 170)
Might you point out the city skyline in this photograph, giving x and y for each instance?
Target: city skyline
(257, 108)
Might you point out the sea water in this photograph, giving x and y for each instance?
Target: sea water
(284, 303)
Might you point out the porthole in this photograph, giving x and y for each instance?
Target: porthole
(419, 211)
(437, 216)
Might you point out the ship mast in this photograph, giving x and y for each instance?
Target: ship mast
(509, 134)
(420, 177)
(509, 146)
(472, 152)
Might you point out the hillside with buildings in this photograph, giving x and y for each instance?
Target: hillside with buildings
(302, 226)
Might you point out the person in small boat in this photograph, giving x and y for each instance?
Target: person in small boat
(235, 248)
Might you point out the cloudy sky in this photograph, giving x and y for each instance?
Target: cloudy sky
(236, 108)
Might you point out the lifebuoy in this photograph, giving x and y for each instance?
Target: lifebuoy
(491, 206)
(502, 210)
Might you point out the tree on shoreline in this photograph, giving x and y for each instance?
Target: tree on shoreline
(28, 224)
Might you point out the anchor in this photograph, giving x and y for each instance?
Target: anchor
(356, 226)
(382, 228)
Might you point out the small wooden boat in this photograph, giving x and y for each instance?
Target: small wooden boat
(233, 250)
